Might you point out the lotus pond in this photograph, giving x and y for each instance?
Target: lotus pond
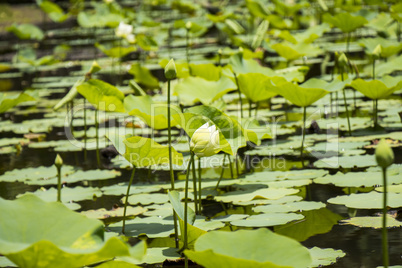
(201, 133)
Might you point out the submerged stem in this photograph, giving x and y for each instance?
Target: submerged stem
(223, 169)
(126, 201)
(384, 222)
(199, 187)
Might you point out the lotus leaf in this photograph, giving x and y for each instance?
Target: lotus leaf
(194, 89)
(255, 86)
(7, 102)
(346, 22)
(50, 235)
(378, 89)
(26, 31)
(372, 222)
(143, 76)
(372, 200)
(104, 214)
(245, 196)
(239, 249)
(325, 256)
(102, 95)
(266, 220)
(290, 207)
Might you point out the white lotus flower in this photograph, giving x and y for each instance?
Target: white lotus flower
(124, 30)
(205, 141)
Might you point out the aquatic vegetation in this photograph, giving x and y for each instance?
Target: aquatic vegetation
(249, 111)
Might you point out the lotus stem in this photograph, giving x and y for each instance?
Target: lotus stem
(375, 113)
(59, 184)
(94, 32)
(186, 202)
(72, 116)
(85, 129)
(346, 107)
(237, 165)
(240, 100)
(373, 68)
(120, 63)
(194, 186)
(97, 137)
(303, 135)
(384, 221)
(256, 109)
(223, 169)
(348, 42)
(231, 167)
(126, 201)
(199, 186)
(187, 50)
(176, 231)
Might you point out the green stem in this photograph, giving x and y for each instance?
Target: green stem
(176, 230)
(195, 186)
(97, 137)
(346, 108)
(85, 129)
(240, 100)
(199, 187)
(303, 135)
(58, 184)
(347, 42)
(120, 63)
(72, 116)
(231, 167)
(126, 201)
(187, 51)
(237, 165)
(376, 113)
(186, 201)
(249, 108)
(373, 68)
(256, 109)
(223, 169)
(384, 222)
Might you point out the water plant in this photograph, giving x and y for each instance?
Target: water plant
(58, 162)
(384, 157)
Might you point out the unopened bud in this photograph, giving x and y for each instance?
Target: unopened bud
(384, 154)
(170, 70)
(377, 51)
(58, 162)
(94, 68)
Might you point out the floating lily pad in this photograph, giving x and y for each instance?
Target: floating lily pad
(151, 226)
(68, 195)
(391, 189)
(104, 214)
(325, 256)
(372, 222)
(146, 199)
(35, 174)
(231, 217)
(283, 200)
(265, 220)
(121, 189)
(359, 179)
(159, 255)
(372, 200)
(315, 222)
(346, 162)
(245, 196)
(290, 207)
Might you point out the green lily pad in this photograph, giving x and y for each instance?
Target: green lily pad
(68, 195)
(265, 220)
(318, 221)
(372, 200)
(325, 256)
(359, 179)
(53, 10)
(151, 226)
(35, 174)
(194, 89)
(346, 162)
(391, 189)
(372, 222)
(292, 52)
(104, 214)
(245, 196)
(290, 207)
(67, 238)
(239, 249)
(230, 217)
(146, 199)
(121, 189)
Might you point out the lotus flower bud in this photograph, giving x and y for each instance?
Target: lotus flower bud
(170, 70)
(189, 25)
(58, 162)
(377, 51)
(384, 154)
(94, 68)
(343, 60)
(205, 141)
